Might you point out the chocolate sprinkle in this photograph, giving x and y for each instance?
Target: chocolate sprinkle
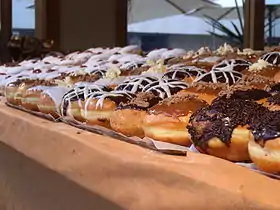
(221, 117)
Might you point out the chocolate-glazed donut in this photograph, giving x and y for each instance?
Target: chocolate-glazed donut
(74, 99)
(220, 76)
(237, 65)
(183, 72)
(136, 84)
(272, 57)
(223, 129)
(128, 117)
(264, 150)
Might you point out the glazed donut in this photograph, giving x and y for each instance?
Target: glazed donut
(99, 106)
(50, 100)
(165, 88)
(167, 120)
(204, 91)
(137, 84)
(264, 149)
(183, 72)
(224, 128)
(73, 100)
(128, 117)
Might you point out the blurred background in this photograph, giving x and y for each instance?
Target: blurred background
(187, 24)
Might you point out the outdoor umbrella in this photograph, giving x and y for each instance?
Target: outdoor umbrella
(142, 10)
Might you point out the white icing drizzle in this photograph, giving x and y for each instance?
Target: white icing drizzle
(215, 76)
(135, 84)
(180, 69)
(164, 88)
(231, 65)
(78, 92)
(101, 96)
(272, 58)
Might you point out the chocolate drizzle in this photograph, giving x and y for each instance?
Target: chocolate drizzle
(221, 117)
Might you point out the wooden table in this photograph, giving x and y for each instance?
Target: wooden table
(53, 166)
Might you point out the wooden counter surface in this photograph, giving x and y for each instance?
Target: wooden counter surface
(53, 166)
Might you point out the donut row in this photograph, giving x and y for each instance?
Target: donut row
(224, 102)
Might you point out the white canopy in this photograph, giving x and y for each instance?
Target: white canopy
(142, 10)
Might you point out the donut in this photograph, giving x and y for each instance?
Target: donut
(220, 76)
(264, 148)
(165, 88)
(204, 91)
(257, 81)
(206, 61)
(31, 97)
(237, 65)
(99, 106)
(135, 85)
(128, 117)
(51, 99)
(167, 120)
(272, 57)
(244, 92)
(14, 91)
(183, 72)
(224, 128)
(73, 100)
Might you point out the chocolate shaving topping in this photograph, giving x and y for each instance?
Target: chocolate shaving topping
(275, 99)
(142, 101)
(243, 92)
(221, 117)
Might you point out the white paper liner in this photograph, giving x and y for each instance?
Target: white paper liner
(38, 114)
(163, 147)
(251, 166)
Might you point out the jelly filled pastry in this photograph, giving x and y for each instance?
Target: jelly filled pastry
(167, 120)
(128, 117)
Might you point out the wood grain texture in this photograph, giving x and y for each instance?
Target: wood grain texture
(44, 163)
